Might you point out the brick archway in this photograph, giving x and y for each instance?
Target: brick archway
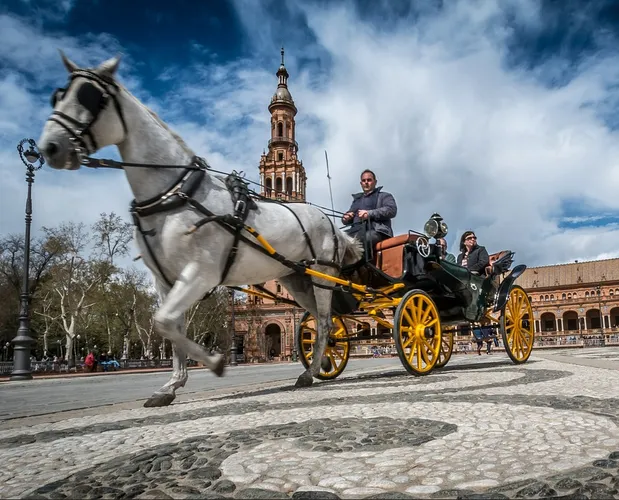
(570, 321)
(548, 322)
(273, 340)
(614, 317)
(593, 319)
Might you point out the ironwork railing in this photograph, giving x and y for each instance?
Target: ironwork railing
(281, 138)
(6, 367)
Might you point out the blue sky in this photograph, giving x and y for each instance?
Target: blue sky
(501, 115)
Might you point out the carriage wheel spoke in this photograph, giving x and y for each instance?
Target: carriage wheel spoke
(408, 318)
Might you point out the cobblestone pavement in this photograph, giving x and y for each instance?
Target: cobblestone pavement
(476, 429)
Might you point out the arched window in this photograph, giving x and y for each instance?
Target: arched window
(569, 295)
(280, 129)
(547, 297)
(278, 186)
(269, 186)
(586, 294)
(289, 186)
(552, 297)
(563, 297)
(278, 287)
(610, 292)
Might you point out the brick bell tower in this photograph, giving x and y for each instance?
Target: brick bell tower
(265, 328)
(282, 175)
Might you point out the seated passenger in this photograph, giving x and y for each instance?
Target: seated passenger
(449, 257)
(374, 205)
(473, 257)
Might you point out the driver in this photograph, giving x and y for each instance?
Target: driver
(473, 257)
(373, 205)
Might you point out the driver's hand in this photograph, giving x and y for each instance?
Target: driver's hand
(348, 216)
(363, 214)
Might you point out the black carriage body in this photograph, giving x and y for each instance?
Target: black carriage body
(461, 297)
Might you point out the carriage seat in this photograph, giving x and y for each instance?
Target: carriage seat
(389, 254)
(492, 258)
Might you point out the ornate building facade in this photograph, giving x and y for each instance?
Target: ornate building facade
(265, 328)
(576, 303)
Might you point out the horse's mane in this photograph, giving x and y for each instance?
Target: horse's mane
(163, 124)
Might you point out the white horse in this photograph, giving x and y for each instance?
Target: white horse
(96, 111)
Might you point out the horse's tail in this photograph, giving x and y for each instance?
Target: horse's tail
(353, 250)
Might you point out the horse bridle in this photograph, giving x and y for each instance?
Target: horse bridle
(95, 100)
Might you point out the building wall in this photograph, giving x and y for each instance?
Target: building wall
(575, 300)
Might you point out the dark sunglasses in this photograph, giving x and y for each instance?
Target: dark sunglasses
(470, 238)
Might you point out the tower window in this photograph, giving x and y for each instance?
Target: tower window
(278, 185)
(269, 186)
(289, 186)
(280, 129)
(280, 156)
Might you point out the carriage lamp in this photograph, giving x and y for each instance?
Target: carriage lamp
(23, 342)
(435, 227)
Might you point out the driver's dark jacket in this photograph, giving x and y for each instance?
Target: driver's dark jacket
(477, 261)
(381, 207)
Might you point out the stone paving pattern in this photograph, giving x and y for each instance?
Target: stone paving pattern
(545, 429)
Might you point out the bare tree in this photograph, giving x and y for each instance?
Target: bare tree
(47, 311)
(145, 334)
(75, 278)
(206, 320)
(112, 236)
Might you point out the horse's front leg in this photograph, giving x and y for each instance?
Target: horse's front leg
(167, 393)
(187, 290)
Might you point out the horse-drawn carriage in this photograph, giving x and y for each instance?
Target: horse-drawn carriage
(429, 300)
(198, 230)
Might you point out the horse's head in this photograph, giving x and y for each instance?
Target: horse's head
(87, 115)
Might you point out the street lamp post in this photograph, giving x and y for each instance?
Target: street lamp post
(33, 160)
(598, 290)
(233, 333)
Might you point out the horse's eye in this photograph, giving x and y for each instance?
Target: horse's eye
(90, 97)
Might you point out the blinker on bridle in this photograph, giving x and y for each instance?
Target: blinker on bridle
(94, 100)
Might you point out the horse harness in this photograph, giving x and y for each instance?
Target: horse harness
(95, 100)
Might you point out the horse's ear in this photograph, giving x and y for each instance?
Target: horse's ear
(70, 65)
(110, 66)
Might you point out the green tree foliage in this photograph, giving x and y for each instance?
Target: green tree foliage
(83, 295)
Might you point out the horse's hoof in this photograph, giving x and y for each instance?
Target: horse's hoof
(325, 364)
(159, 399)
(220, 366)
(304, 380)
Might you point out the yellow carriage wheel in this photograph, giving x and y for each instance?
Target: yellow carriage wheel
(336, 353)
(417, 332)
(447, 347)
(517, 327)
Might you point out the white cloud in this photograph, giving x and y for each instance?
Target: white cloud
(427, 102)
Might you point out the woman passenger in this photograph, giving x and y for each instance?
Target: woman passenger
(472, 256)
